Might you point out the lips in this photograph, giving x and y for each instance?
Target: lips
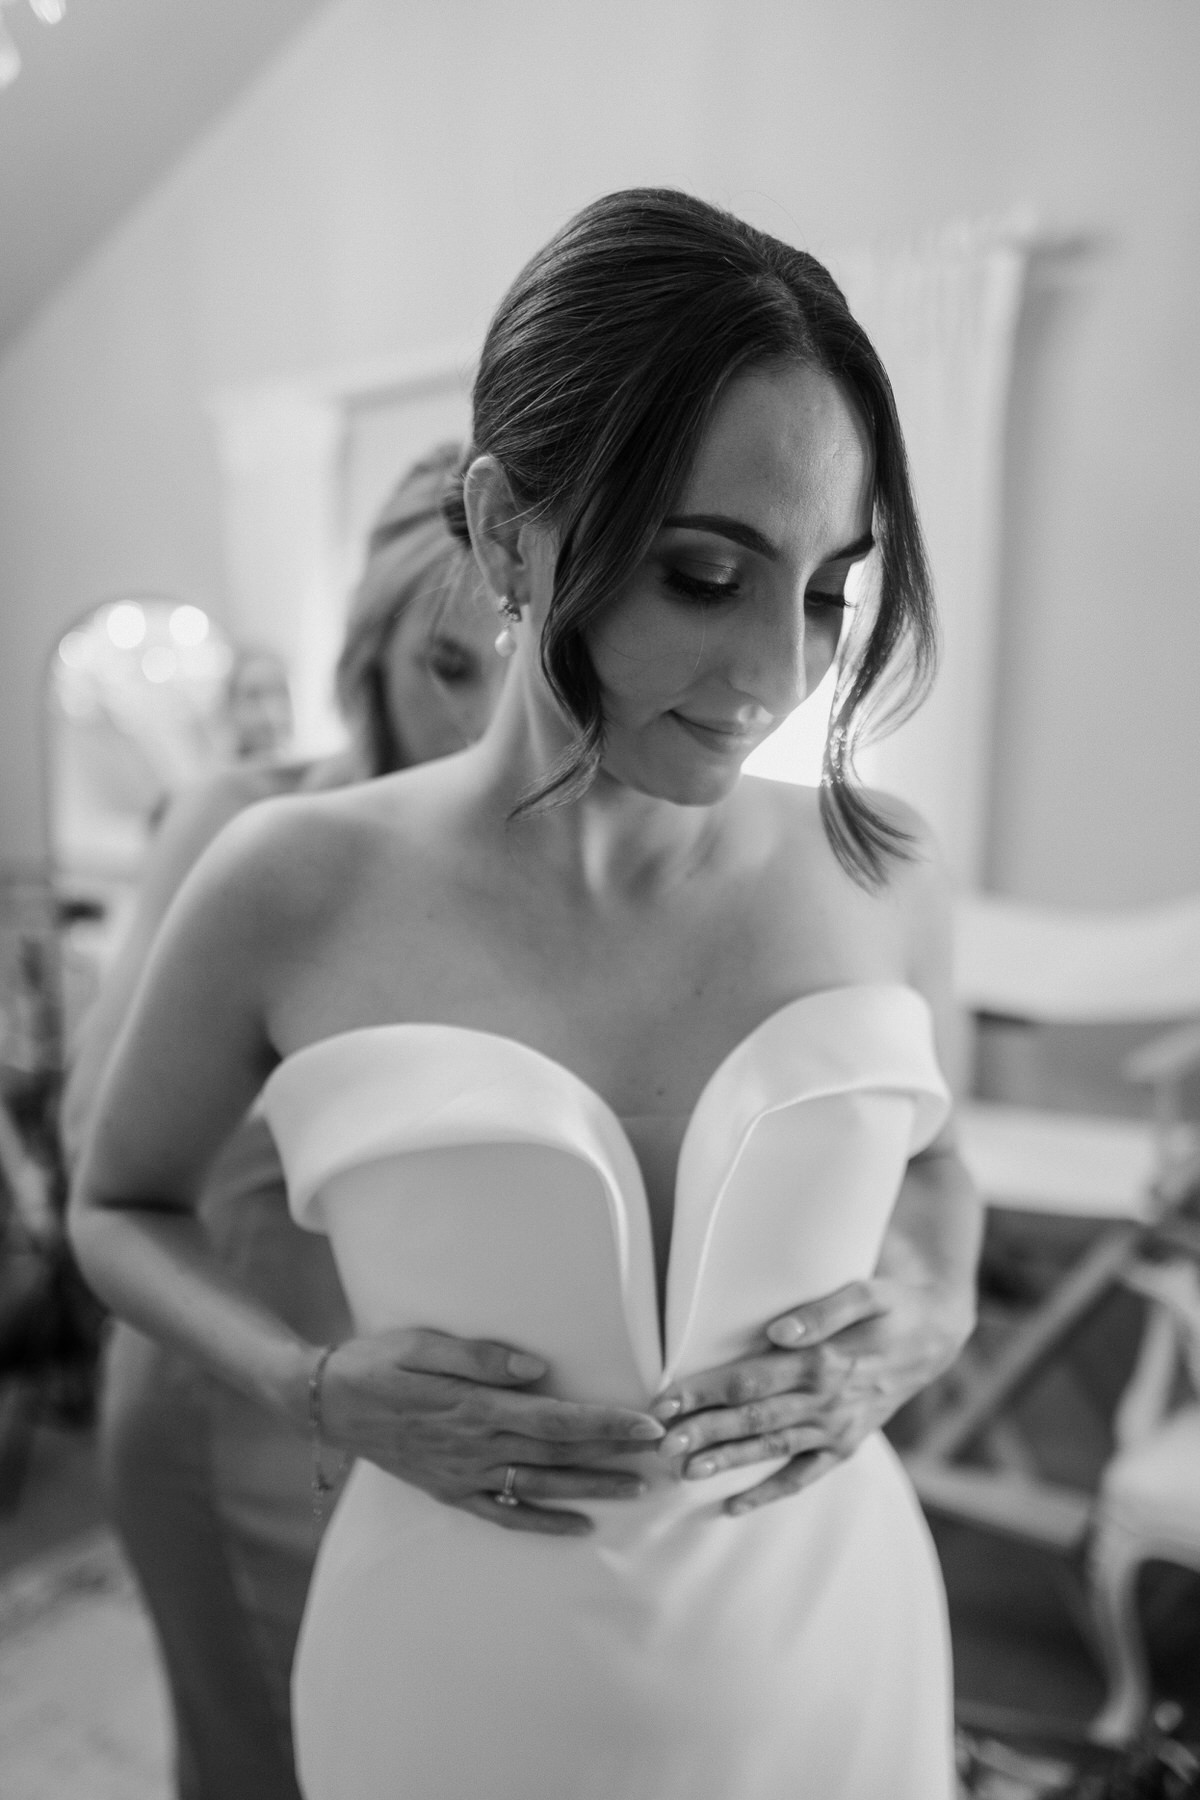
(720, 735)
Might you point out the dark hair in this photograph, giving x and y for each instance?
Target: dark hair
(433, 561)
(598, 377)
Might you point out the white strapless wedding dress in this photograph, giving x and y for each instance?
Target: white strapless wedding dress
(472, 1185)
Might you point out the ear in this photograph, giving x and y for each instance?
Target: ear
(500, 537)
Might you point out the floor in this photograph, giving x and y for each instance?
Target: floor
(82, 1707)
(82, 1704)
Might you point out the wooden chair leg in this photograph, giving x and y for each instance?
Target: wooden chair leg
(1114, 1562)
(1032, 1342)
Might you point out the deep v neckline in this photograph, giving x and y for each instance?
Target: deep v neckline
(593, 1095)
(618, 1158)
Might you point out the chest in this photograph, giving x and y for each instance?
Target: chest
(510, 1168)
(642, 1000)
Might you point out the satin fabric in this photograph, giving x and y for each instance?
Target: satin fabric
(469, 1184)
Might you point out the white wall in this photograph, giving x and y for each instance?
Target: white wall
(375, 191)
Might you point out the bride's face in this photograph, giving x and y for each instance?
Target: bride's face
(734, 616)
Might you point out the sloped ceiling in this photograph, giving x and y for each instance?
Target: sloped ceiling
(106, 101)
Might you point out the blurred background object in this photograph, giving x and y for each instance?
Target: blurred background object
(144, 696)
(1119, 1199)
(258, 705)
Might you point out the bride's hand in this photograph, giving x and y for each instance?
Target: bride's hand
(450, 1416)
(838, 1369)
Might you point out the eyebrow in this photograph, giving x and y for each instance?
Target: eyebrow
(752, 539)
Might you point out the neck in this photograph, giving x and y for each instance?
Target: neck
(613, 842)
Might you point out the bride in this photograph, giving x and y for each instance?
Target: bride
(597, 1061)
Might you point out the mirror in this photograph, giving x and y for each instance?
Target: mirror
(143, 696)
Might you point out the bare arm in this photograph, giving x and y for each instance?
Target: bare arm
(194, 820)
(933, 1239)
(188, 1062)
(173, 1062)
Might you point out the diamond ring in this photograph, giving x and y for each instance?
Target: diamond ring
(508, 1493)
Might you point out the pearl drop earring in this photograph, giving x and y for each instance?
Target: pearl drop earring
(510, 612)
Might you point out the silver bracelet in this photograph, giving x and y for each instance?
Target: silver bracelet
(322, 1484)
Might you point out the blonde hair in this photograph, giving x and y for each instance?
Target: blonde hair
(432, 562)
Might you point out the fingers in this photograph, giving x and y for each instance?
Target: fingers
(754, 1378)
(824, 1317)
(798, 1440)
(550, 1521)
(498, 1366)
(800, 1473)
(511, 1446)
(531, 1483)
(572, 1422)
(474, 1359)
(727, 1439)
(528, 1486)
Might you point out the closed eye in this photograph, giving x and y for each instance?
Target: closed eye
(453, 664)
(693, 587)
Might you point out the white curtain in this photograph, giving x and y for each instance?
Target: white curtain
(942, 312)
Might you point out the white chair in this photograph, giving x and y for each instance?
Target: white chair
(1047, 966)
(1148, 1505)
(1041, 966)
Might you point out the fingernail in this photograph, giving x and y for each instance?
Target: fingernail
(667, 1407)
(646, 1428)
(696, 1471)
(678, 1444)
(525, 1367)
(788, 1331)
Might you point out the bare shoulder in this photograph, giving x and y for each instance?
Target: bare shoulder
(798, 813)
(199, 810)
(300, 864)
(909, 908)
(917, 876)
(922, 893)
(288, 860)
(794, 811)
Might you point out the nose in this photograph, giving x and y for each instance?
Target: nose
(768, 654)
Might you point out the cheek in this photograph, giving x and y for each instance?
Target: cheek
(643, 651)
(400, 686)
(411, 708)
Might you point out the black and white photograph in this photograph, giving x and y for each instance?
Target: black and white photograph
(599, 899)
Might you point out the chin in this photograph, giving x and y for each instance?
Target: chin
(689, 786)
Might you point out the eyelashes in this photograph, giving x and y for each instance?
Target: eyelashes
(452, 667)
(712, 593)
(692, 587)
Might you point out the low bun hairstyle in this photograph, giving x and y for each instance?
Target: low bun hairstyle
(598, 376)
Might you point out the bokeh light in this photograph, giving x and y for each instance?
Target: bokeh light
(126, 625)
(159, 663)
(188, 626)
(75, 650)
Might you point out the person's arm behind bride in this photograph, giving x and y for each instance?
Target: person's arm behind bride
(445, 1414)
